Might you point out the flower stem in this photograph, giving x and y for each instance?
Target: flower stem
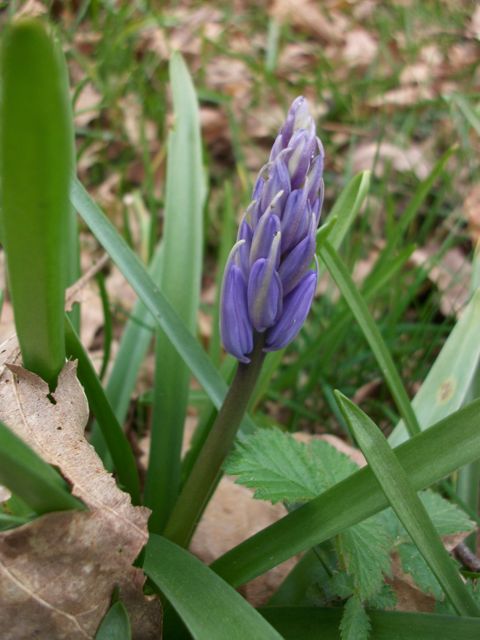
(208, 467)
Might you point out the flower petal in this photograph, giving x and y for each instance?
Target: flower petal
(235, 326)
(295, 310)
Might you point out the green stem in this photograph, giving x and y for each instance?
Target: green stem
(208, 467)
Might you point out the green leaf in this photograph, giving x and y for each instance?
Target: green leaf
(36, 152)
(359, 309)
(386, 598)
(426, 458)
(446, 387)
(355, 624)
(366, 549)
(118, 445)
(208, 606)
(280, 468)
(180, 281)
(163, 313)
(406, 504)
(347, 206)
(32, 479)
(312, 623)
(415, 565)
(115, 625)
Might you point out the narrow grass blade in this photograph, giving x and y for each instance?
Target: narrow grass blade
(36, 151)
(208, 606)
(359, 309)
(426, 459)
(115, 625)
(118, 445)
(32, 479)
(180, 282)
(347, 206)
(312, 623)
(407, 505)
(133, 347)
(135, 273)
(446, 387)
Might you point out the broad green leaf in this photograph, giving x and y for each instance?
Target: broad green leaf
(280, 468)
(163, 313)
(365, 548)
(360, 311)
(208, 606)
(36, 152)
(407, 505)
(313, 623)
(180, 281)
(355, 624)
(426, 459)
(413, 563)
(115, 625)
(32, 479)
(118, 445)
(446, 387)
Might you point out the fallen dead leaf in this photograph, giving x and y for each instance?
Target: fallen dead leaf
(451, 274)
(360, 48)
(87, 105)
(58, 572)
(471, 209)
(308, 17)
(373, 155)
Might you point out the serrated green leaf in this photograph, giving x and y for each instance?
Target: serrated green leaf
(280, 468)
(386, 598)
(355, 624)
(366, 551)
(415, 565)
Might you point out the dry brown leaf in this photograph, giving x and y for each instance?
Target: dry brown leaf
(132, 120)
(57, 573)
(307, 16)
(471, 208)
(360, 48)
(452, 275)
(371, 153)
(403, 96)
(87, 105)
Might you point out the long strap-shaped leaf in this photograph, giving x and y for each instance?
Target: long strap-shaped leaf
(135, 273)
(210, 608)
(426, 458)
(359, 308)
(312, 623)
(31, 478)
(407, 505)
(180, 282)
(115, 438)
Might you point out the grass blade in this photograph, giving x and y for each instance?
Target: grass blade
(208, 606)
(36, 152)
(32, 479)
(446, 387)
(426, 458)
(311, 623)
(118, 445)
(135, 273)
(407, 505)
(115, 625)
(359, 309)
(180, 282)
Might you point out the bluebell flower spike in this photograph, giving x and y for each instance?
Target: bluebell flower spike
(269, 282)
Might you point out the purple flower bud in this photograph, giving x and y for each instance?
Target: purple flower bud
(268, 284)
(295, 309)
(235, 326)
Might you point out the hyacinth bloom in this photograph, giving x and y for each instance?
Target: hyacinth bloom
(269, 283)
